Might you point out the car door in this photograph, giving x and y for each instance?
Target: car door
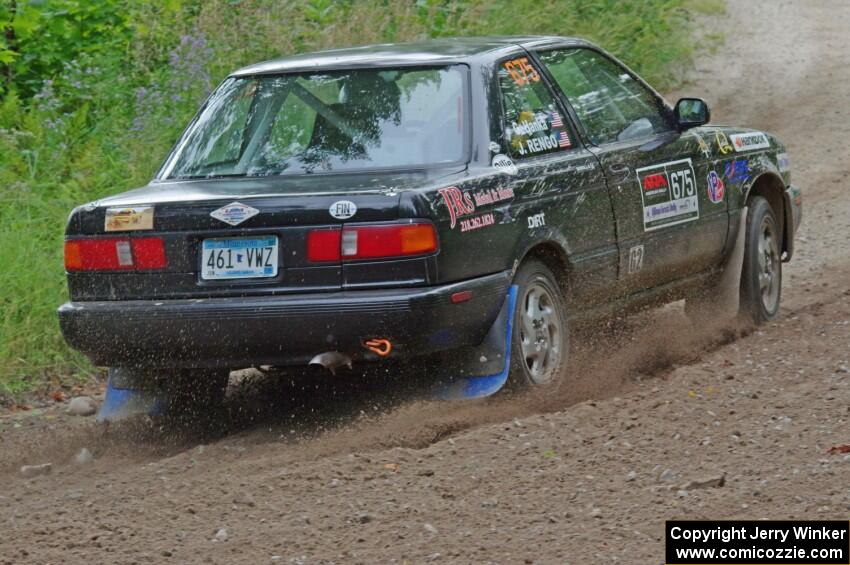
(561, 194)
(669, 222)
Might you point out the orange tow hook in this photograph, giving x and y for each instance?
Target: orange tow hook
(379, 346)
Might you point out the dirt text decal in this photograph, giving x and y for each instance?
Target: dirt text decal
(669, 194)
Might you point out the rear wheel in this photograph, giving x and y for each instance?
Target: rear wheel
(540, 340)
(761, 278)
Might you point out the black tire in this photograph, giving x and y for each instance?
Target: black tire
(540, 343)
(761, 275)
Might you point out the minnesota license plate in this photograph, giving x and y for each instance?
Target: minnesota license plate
(239, 258)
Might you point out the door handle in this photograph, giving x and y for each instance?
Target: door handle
(620, 170)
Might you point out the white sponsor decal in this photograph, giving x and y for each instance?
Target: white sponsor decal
(749, 141)
(342, 209)
(494, 147)
(783, 163)
(234, 213)
(530, 127)
(669, 194)
(635, 259)
(482, 221)
(505, 164)
(537, 220)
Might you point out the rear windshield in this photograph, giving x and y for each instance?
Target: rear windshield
(326, 122)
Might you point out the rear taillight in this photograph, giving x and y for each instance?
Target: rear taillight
(115, 254)
(323, 245)
(379, 241)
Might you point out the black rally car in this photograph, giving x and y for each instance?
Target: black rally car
(396, 200)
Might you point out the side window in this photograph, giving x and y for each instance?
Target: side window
(609, 102)
(533, 124)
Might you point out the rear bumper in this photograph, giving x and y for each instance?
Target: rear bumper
(281, 330)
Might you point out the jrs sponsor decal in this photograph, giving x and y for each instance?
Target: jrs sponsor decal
(749, 141)
(466, 203)
(669, 194)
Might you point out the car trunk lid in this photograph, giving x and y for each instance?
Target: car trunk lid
(287, 210)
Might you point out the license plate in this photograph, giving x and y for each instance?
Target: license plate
(239, 258)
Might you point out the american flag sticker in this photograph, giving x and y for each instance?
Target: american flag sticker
(556, 120)
(564, 140)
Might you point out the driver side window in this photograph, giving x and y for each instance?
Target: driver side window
(609, 102)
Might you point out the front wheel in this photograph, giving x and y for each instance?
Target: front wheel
(761, 277)
(540, 340)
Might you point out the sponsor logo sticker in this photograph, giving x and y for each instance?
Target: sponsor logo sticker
(234, 213)
(462, 203)
(783, 163)
(703, 146)
(749, 141)
(716, 188)
(504, 164)
(129, 219)
(669, 194)
(342, 209)
(737, 171)
(723, 144)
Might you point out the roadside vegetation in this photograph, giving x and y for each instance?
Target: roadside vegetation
(94, 93)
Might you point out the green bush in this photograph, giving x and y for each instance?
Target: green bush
(93, 94)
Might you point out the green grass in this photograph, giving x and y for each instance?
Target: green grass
(92, 133)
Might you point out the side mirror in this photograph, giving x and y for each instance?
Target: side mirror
(691, 112)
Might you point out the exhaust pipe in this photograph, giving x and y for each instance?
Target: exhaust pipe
(331, 360)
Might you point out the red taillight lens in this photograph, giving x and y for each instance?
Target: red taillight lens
(323, 245)
(115, 254)
(380, 241)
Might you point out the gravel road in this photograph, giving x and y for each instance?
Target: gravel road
(658, 411)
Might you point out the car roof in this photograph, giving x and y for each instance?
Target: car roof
(443, 51)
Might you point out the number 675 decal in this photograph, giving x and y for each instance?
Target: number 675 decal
(521, 71)
(669, 194)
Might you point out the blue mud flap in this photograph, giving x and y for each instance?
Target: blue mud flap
(483, 370)
(123, 403)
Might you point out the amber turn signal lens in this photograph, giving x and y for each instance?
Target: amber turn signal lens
(418, 239)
